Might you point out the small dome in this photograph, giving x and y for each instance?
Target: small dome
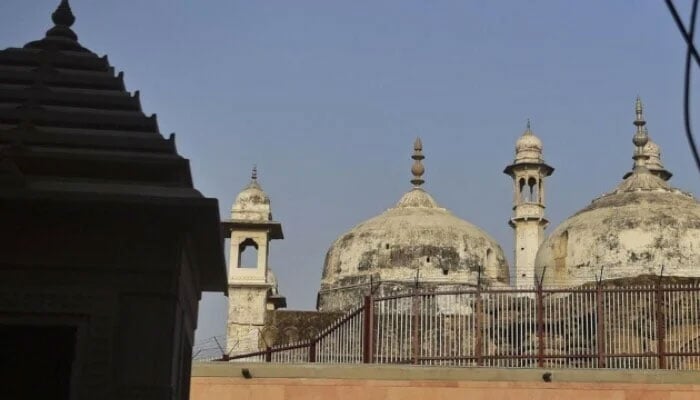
(252, 203)
(415, 241)
(651, 149)
(642, 225)
(528, 148)
(653, 153)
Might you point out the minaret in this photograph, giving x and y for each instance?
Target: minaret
(528, 171)
(251, 285)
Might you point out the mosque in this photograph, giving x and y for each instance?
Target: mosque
(626, 234)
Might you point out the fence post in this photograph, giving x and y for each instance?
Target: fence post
(268, 354)
(479, 311)
(367, 324)
(312, 351)
(600, 324)
(415, 325)
(539, 299)
(660, 326)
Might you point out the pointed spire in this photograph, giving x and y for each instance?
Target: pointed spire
(63, 15)
(254, 173)
(417, 168)
(60, 36)
(640, 136)
(528, 131)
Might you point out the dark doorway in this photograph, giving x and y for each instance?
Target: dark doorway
(36, 361)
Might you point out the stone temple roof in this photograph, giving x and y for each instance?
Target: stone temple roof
(69, 131)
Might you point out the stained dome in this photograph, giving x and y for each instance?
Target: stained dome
(640, 226)
(414, 241)
(252, 203)
(528, 148)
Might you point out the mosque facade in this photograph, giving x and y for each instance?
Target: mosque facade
(640, 226)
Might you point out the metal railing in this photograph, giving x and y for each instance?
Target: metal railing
(633, 327)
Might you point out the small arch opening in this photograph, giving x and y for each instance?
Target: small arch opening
(248, 254)
(427, 259)
(534, 189)
(386, 246)
(560, 250)
(523, 190)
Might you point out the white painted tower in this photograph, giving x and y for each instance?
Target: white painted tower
(528, 171)
(252, 288)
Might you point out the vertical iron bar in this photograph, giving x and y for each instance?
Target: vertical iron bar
(367, 331)
(479, 311)
(600, 325)
(540, 325)
(312, 351)
(660, 327)
(415, 329)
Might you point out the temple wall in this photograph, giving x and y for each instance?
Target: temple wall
(287, 382)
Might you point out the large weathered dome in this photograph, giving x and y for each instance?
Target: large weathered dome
(415, 241)
(640, 226)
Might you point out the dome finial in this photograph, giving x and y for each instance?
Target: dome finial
(254, 173)
(641, 137)
(417, 168)
(63, 14)
(527, 127)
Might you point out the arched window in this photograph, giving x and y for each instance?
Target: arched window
(248, 254)
(534, 190)
(523, 191)
(560, 250)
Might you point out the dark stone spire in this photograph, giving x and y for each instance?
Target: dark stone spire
(61, 36)
(63, 15)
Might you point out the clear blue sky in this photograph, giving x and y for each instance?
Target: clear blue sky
(327, 97)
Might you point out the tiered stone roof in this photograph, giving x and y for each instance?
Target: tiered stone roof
(70, 131)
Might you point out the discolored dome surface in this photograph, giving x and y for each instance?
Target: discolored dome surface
(632, 231)
(416, 238)
(252, 204)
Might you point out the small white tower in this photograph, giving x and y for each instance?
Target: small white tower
(528, 171)
(251, 286)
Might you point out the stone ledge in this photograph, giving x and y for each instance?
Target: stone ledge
(422, 373)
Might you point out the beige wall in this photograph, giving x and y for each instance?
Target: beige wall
(276, 382)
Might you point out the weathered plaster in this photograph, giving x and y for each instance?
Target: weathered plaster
(415, 241)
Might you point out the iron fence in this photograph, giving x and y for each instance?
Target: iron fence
(633, 327)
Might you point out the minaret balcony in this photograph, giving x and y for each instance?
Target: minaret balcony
(528, 210)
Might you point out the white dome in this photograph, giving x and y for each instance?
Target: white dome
(416, 238)
(528, 147)
(252, 204)
(642, 225)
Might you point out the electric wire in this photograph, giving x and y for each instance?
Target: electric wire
(690, 54)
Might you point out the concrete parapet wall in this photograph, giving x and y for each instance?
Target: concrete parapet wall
(214, 381)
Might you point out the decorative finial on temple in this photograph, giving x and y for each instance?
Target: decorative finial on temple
(417, 168)
(641, 137)
(63, 15)
(527, 128)
(254, 173)
(60, 36)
